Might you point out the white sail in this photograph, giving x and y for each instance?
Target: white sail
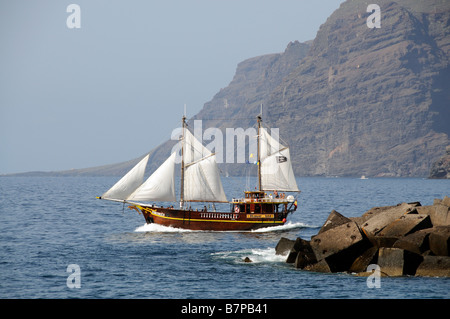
(193, 148)
(160, 186)
(276, 167)
(268, 144)
(277, 172)
(201, 175)
(127, 184)
(202, 181)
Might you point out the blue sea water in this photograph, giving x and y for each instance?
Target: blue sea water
(49, 223)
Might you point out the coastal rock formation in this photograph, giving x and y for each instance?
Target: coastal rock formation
(441, 168)
(354, 101)
(370, 101)
(405, 239)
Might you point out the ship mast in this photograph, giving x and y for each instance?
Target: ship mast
(259, 151)
(183, 143)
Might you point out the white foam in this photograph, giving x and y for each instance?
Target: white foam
(156, 228)
(286, 226)
(256, 255)
(266, 255)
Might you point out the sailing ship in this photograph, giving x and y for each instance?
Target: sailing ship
(200, 182)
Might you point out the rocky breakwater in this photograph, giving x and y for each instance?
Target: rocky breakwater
(406, 239)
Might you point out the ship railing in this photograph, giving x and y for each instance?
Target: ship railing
(259, 200)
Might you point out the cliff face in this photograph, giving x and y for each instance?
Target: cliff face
(370, 101)
(254, 80)
(355, 100)
(441, 168)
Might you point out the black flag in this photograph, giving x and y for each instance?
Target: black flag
(281, 159)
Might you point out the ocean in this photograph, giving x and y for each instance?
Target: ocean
(58, 241)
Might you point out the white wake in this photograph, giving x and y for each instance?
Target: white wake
(155, 228)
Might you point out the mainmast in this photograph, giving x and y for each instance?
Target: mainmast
(183, 143)
(259, 151)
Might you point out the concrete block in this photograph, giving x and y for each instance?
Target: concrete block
(385, 216)
(446, 201)
(320, 266)
(284, 246)
(416, 242)
(398, 262)
(406, 224)
(340, 246)
(304, 259)
(383, 241)
(370, 256)
(336, 240)
(301, 246)
(439, 214)
(334, 219)
(434, 266)
(440, 240)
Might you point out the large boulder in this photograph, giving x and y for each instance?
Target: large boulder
(440, 241)
(398, 262)
(370, 256)
(383, 216)
(383, 241)
(299, 252)
(416, 242)
(439, 213)
(334, 219)
(406, 225)
(434, 266)
(445, 201)
(401, 239)
(305, 255)
(320, 266)
(284, 246)
(340, 246)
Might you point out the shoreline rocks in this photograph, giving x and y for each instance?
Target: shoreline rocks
(407, 239)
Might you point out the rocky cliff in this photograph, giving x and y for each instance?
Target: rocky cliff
(441, 168)
(370, 101)
(355, 100)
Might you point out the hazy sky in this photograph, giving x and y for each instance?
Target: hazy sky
(115, 88)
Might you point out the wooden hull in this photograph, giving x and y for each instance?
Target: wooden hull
(214, 221)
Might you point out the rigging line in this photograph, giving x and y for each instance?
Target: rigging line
(279, 135)
(192, 147)
(199, 160)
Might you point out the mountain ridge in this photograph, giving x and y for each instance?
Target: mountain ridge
(390, 71)
(354, 101)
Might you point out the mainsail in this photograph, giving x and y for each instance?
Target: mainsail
(201, 176)
(127, 184)
(276, 168)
